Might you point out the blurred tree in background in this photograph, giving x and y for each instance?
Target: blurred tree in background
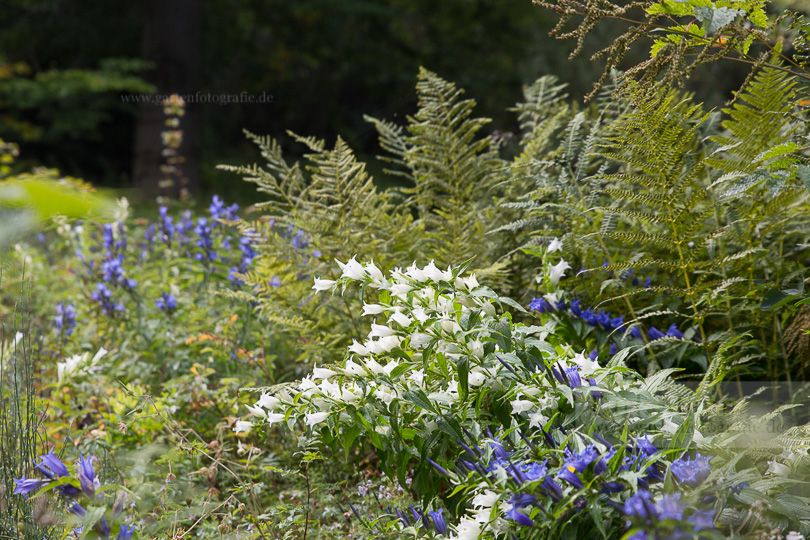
(324, 63)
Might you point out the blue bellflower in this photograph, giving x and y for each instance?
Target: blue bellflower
(518, 502)
(167, 302)
(575, 464)
(691, 472)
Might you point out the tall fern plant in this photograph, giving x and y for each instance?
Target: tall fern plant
(717, 214)
(328, 207)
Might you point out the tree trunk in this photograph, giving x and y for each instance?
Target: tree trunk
(171, 42)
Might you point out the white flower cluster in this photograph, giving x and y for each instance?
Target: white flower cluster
(421, 309)
(77, 365)
(434, 344)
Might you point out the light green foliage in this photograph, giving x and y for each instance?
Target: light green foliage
(30, 199)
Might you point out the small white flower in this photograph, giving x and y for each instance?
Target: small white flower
(417, 377)
(420, 315)
(322, 373)
(555, 245)
(255, 410)
(268, 402)
(379, 330)
(477, 348)
(372, 309)
(400, 290)
(476, 377)
(68, 368)
(275, 418)
(419, 340)
(349, 396)
(388, 343)
(313, 419)
(450, 325)
(537, 419)
(778, 469)
(415, 273)
(358, 348)
(323, 284)
(521, 405)
(552, 298)
(586, 365)
(330, 388)
(102, 352)
(436, 275)
(76, 364)
(374, 366)
(374, 272)
(487, 499)
(353, 368)
(558, 271)
(467, 529)
(352, 269)
(669, 426)
(793, 535)
(242, 426)
(385, 394)
(401, 319)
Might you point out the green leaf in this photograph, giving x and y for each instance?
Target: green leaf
(418, 397)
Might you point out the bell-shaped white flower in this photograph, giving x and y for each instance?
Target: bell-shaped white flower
(313, 419)
(416, 273)
(385, 394)
(476, 377)
(268, 402)
(400, 290)
(374, 366)
(255, 410)
(417, 376)
(379, 330)
(388, 343)
(374, 272)
(521, 405)
(372, 309)
(557, 271)
(322, 373)
(555, 245)
(586, 365)
(352, 269)
(242, 426)
(275, 418)
(486, 499)
(420, 340)
(436, 275)
(420, 315)
(323, 284)
(352, 368)
(358, 348)
(537, 419)
(401, 319)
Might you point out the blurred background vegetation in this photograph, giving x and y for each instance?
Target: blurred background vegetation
(65, 64)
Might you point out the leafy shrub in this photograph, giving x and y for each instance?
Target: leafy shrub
(506, 427)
